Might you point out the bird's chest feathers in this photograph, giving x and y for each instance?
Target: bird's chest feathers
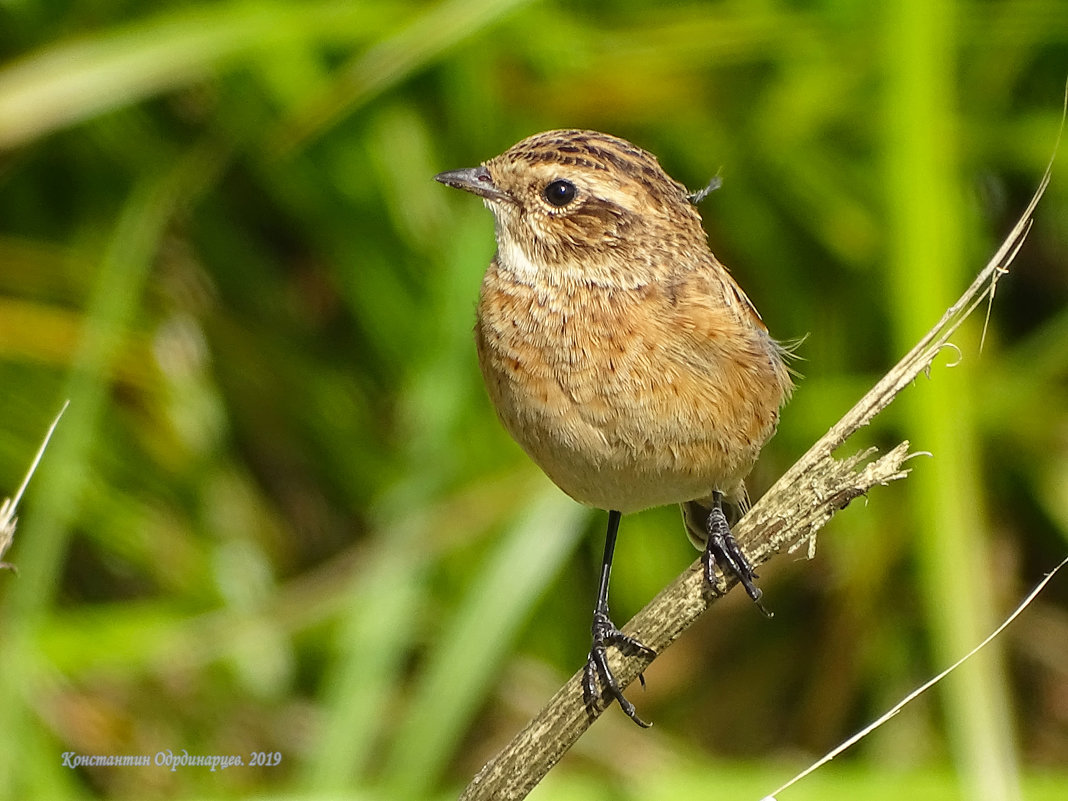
(609, 389)
(561, 344)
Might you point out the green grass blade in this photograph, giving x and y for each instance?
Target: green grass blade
(926, 265)
(70, 81)
(429, 35)
(474, 643)
(372, 642)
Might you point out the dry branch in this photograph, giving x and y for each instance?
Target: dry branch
(786, 518)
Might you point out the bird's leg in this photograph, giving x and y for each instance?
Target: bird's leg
(721, 548)
(606, 633)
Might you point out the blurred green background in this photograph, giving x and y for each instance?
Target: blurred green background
(280, 516)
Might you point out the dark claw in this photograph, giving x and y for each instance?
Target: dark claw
(605, 633)
(723, 550)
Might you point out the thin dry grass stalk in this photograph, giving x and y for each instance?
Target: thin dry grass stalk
(8, 508)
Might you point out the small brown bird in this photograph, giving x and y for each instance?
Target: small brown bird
(618, 351)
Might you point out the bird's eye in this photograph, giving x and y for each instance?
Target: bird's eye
(560, 192)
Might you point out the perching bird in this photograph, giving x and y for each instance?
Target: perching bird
(618, 351)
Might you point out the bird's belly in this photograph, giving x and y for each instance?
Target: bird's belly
(627, 476)
(623, 428)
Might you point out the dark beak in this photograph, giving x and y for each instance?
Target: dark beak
(475, 180)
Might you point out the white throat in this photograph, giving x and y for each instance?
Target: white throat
(513, 259)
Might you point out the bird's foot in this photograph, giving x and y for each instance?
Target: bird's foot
(605, 633)
(722, 549)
